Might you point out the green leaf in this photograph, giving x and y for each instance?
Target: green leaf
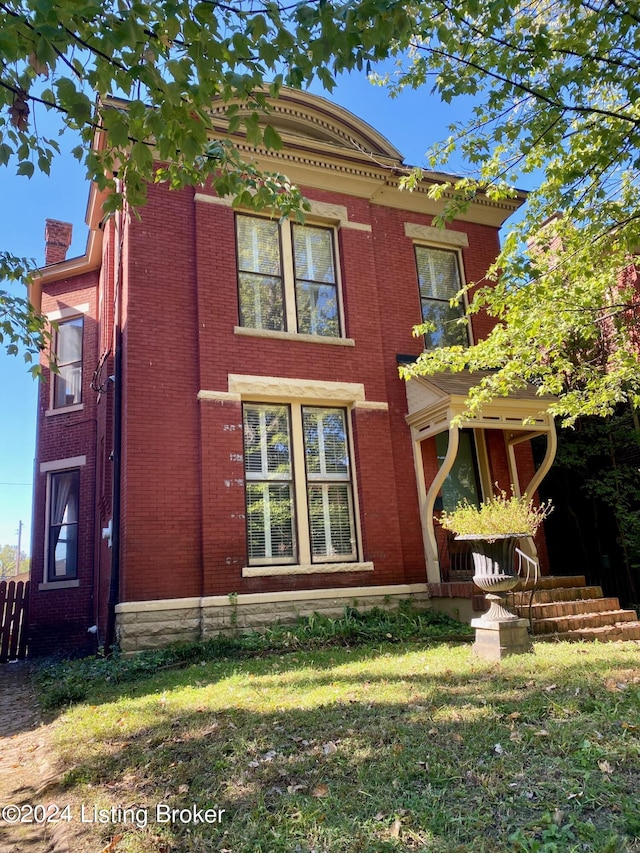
(272, 138)
(141, 156)
(26, 168)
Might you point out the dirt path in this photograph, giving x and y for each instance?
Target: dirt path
(24, 769)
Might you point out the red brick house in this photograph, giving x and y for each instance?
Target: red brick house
(266, 458)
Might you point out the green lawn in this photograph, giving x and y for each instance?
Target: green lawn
(365, 750)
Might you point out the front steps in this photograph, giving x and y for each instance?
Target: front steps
(565, 608)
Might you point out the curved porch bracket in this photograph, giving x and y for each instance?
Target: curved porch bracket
(432, 494)
(547, 462)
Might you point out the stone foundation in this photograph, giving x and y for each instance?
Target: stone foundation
(153, 624)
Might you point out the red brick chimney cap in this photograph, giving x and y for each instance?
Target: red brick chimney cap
(57, 239)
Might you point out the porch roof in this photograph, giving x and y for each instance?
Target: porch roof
(435, 401)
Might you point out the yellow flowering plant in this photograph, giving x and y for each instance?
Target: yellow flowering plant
(500, 515)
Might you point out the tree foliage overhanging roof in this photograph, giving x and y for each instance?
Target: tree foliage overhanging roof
(556, 83)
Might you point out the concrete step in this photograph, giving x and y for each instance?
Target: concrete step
(604, 634)
(566, 624)
(555, 609)
(553, 582)
(546, 596)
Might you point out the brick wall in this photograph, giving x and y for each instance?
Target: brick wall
(183, 506)
(183, 510)
(104, 429)
(59, 618)
(161, 533)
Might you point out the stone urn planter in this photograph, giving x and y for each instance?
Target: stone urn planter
(494, 568)
(493, 530)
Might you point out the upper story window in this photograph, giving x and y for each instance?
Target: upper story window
(439, 281)
(287, 277)
(67, 384)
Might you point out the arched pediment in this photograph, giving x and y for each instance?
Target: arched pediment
(311, 118)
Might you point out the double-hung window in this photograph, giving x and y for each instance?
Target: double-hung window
(67, 383)
(329, 501)
(298, 485)
(287, 277)
(62, 545)
(439, 281)
(269, 484)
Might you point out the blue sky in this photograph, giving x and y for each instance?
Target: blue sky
(412, 123)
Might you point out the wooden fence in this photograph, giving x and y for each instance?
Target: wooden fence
(14, 619)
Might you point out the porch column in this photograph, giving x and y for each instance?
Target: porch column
(547, 462)
(428, 499)
(549, 456)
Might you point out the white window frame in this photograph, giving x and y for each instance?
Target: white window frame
(63, 315)
(57, 466)
(454, 250)
(265, 478)
(290, 308)
(323, 479)
(300, 483)
(297, 394)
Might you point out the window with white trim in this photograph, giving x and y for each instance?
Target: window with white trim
(299, 489)
(67, 383)
(287, 277)
(440, 281)
(62, 526)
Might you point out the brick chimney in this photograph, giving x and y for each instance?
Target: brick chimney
(57, 239)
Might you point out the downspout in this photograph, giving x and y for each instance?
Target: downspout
(114, 583)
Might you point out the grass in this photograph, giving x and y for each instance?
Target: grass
(64, 682)
(370, 749)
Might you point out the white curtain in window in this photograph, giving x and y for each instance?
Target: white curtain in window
(64, 501)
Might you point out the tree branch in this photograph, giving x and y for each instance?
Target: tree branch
(493, 75)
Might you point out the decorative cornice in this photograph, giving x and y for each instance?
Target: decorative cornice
(302, 115)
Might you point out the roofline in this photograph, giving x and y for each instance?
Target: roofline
(94, 218)
(94, 215)
(351, 120)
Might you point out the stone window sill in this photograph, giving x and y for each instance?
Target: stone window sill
(293, 336)
(64, 410)
(71, 584)
(309, 569)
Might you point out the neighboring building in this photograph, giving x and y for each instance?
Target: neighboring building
(272, 461)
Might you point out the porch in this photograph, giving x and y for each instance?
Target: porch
(457, 457)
